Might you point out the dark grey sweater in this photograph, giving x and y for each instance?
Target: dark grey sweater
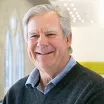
(79, 86)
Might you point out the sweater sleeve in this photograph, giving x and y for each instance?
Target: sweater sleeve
(4, 101)
(14, 94)
(8, 99)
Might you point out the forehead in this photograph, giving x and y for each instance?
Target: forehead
(45, 21)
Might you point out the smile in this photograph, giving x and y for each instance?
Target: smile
(44, 53)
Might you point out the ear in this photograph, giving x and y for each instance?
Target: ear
(69, 39)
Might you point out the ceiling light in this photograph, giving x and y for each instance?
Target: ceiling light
(76, 13)
(79, 18)
(71, 5)
(74, 20)
(68, 9)
(82, 21)
(92, 21)
(72, 15)
(74, 9)
(65, 4)
(71, 12)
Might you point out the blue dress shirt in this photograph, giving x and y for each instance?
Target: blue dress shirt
(33, 78)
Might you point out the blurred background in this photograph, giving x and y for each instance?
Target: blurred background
(87, 32)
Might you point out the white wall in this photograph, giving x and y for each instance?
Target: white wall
(88, 43)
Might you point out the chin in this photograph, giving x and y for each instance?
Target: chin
(43, 65)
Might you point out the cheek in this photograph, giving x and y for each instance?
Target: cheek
(31, 48)
(31, 45)
(31, 53)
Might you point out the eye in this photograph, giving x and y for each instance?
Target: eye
(33, 36)
(51, 35)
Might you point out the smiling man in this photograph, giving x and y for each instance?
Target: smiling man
(47, 46)
(57, 78)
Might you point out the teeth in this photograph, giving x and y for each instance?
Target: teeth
(43, 53)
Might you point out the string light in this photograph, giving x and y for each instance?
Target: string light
(92, 21)
(79, 18)
(65, 4)
(82, 21)
(73, 15)
(73, 11)
(70, 12)
(71, 5)
(74, 19)
(68, 9)
(76, 13)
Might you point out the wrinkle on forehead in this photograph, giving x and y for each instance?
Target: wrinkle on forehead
(45, 30)
(37, 23)
(50, 30)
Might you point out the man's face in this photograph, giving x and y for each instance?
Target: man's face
(47, 46)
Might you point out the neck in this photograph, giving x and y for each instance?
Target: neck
(46, 77)
(44, 80)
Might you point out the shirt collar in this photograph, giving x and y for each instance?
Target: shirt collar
(34, 75)
(33, 78)
(66, 69)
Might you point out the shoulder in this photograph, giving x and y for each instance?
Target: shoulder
(18, 86)
(87, 78)
(15, 92)
(91, 79)
(20, 83)
(91, 85)
(91, 75)
(84, 75)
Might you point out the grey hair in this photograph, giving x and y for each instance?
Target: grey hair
(64, 16)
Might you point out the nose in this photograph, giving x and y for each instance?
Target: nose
(42, 40)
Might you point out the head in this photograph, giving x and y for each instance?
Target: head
(51, 24)
(64, 17)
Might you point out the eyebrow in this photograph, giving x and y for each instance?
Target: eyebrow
(33, 32)
(50, 31)
(46, 31)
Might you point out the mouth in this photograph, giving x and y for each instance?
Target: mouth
(44, 53)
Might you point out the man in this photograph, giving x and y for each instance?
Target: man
(57, 77)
